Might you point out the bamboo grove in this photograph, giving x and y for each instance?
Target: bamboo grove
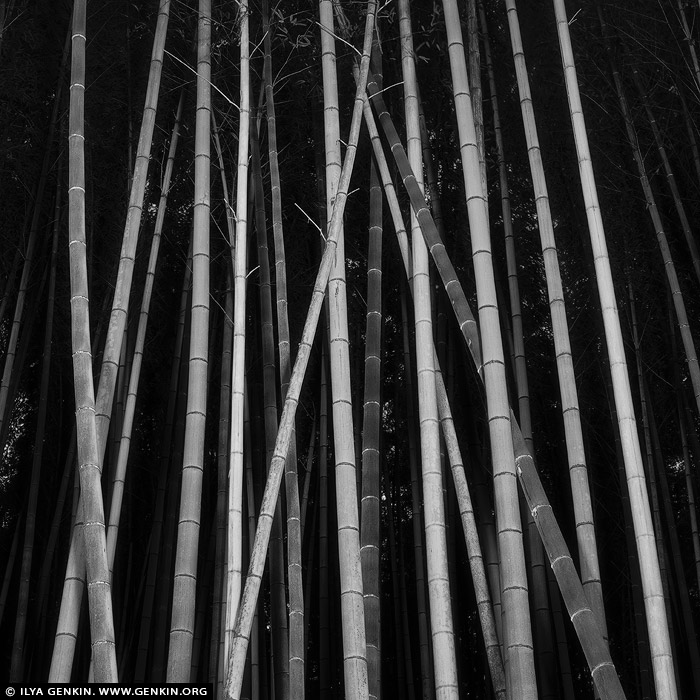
(349, 348)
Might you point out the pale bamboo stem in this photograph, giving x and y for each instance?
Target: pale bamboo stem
(92, 534)
(234, 538)
(371, 430)
(441, 624)
(578, 471)
(644, 535)
(517, 634)
(135, 375)
(185, 578)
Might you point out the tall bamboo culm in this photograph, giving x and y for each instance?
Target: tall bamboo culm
(93, 530)
(185, 579)
(352, 604)
(371, 427)
(234, 558)
(578, 471)
(441, 624)
(643, 529)
(517, 634)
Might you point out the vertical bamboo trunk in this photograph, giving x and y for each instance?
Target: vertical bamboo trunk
(262, 534)
(185, 578)
(93, 530)
(644, 536)
(218, 617)
(324, 681)
(520, 672)
(427, 687)
(235, 469)
(441, 624)
(578, 471)
(284, 345)
(352, 605)
(371, 427)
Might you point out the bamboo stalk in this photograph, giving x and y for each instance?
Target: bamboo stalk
(185, 576)
(93, 530)
(441, 623)
(236, 455)
(571, 414)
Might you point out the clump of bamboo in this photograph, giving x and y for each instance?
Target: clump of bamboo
(262, 534)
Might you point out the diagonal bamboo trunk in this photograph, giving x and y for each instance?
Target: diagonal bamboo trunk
(185, 578)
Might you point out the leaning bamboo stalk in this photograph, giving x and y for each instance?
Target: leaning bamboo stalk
(644, 535)
(93, 530)
(185, 577)
(235, 469)
(593, 645)
(471, 537)
(122, 292)
(262, 535)
(441, 623)
(571, 414)
(135, 375)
